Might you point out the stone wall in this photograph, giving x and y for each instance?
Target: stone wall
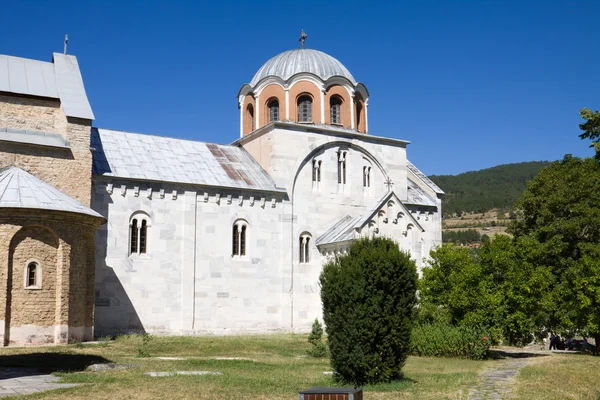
(60, 310)
(70, 169)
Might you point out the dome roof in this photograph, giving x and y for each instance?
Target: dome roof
(291, 62)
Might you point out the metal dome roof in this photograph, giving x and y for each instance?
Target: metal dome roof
(291, 62)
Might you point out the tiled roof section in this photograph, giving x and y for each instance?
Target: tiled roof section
(423, 177)
(418, 196)
(155, 158)
(341, 231)
(20, 189)
(60, 79)
(33, 137)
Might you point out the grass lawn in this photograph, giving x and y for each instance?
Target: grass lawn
(273, 367)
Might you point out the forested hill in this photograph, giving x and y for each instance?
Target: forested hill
(480, 191)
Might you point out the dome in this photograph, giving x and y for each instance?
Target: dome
(291, 62)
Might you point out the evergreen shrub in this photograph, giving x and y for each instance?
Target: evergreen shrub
(318, 349)
(443, 340)
(368, 297)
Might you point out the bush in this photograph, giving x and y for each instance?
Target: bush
(442, 340)
(318, 349)
(368, 297)
(143, 347)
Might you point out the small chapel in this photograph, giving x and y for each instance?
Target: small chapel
(106, 232)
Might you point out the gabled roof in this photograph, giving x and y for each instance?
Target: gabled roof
(417, 196)
(20, 189)
(347, 227)
(60, 79)
(423, 178)
(155, 158)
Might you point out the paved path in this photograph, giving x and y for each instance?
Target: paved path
(496, 381)
(20, 381)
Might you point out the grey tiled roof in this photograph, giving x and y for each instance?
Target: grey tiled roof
(33, 137)
(291, 62)
(423, 177)
(341, 231)
(60, 79)
(155, 158)
(20, 189)
(418, 196)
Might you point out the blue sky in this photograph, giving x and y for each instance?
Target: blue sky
(471, 84)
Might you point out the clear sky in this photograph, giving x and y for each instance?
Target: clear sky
(471, 84)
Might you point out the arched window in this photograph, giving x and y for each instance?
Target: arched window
(304, 109)
(342, 167)
(335, 105)
(238, 240)
(273, 106)
(250, 117)
(359, 108)
(304, 248)
(366, 176)
(138, 233)
(316, 172)
(33, 275)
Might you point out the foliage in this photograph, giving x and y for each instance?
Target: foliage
(368, 296)
(463, 237)
(499, 288)
(315, 338)
(143, 347)
(483, 190)
(443, 340)
(561, 213)
(591, 128)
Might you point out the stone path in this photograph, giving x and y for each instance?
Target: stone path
(496, 382)
(175, 373)
(21, 381)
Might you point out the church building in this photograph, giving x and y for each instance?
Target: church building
(105, 232)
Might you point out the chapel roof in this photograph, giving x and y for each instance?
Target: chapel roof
(20, 189)
(164, 159)
(292, 62)
(59, 79)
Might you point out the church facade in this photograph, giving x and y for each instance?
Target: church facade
(107, 232)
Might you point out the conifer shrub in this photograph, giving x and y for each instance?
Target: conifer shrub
(318, 349)
(368, 297)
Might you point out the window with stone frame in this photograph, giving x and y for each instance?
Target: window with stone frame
(33, 275)
(366, 176)
(239, 238)
(250, 117)
(342, 155)
(335, 105)
(316, 172)
(139, 227)
(304, 248)
(273, 106)
(305, 108)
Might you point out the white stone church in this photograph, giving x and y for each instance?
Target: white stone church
(210, 238)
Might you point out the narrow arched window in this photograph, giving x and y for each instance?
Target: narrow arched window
(304, 109)
(32, 279)
(304, 248)
(239, 239)
(273, 106)
(316, 171)
(143, 236)
(342, 167)
(133, 237)
(335, 105)
(250, 117)
(366, 176)
(359, 108)
(139, 233)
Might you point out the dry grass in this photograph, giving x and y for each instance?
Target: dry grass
(277, 368)
(564, 376)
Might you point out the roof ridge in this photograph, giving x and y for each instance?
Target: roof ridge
(162, 136)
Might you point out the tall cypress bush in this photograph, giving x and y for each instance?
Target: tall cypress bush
(368, 297)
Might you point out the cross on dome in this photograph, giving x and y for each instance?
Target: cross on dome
(303, 37)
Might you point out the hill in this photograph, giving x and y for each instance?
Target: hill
(479, 191)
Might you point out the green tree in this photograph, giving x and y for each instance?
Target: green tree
(591, 128)
(561, 212)
(368, 299)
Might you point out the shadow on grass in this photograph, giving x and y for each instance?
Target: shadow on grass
(502, 354)
(47, 363)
